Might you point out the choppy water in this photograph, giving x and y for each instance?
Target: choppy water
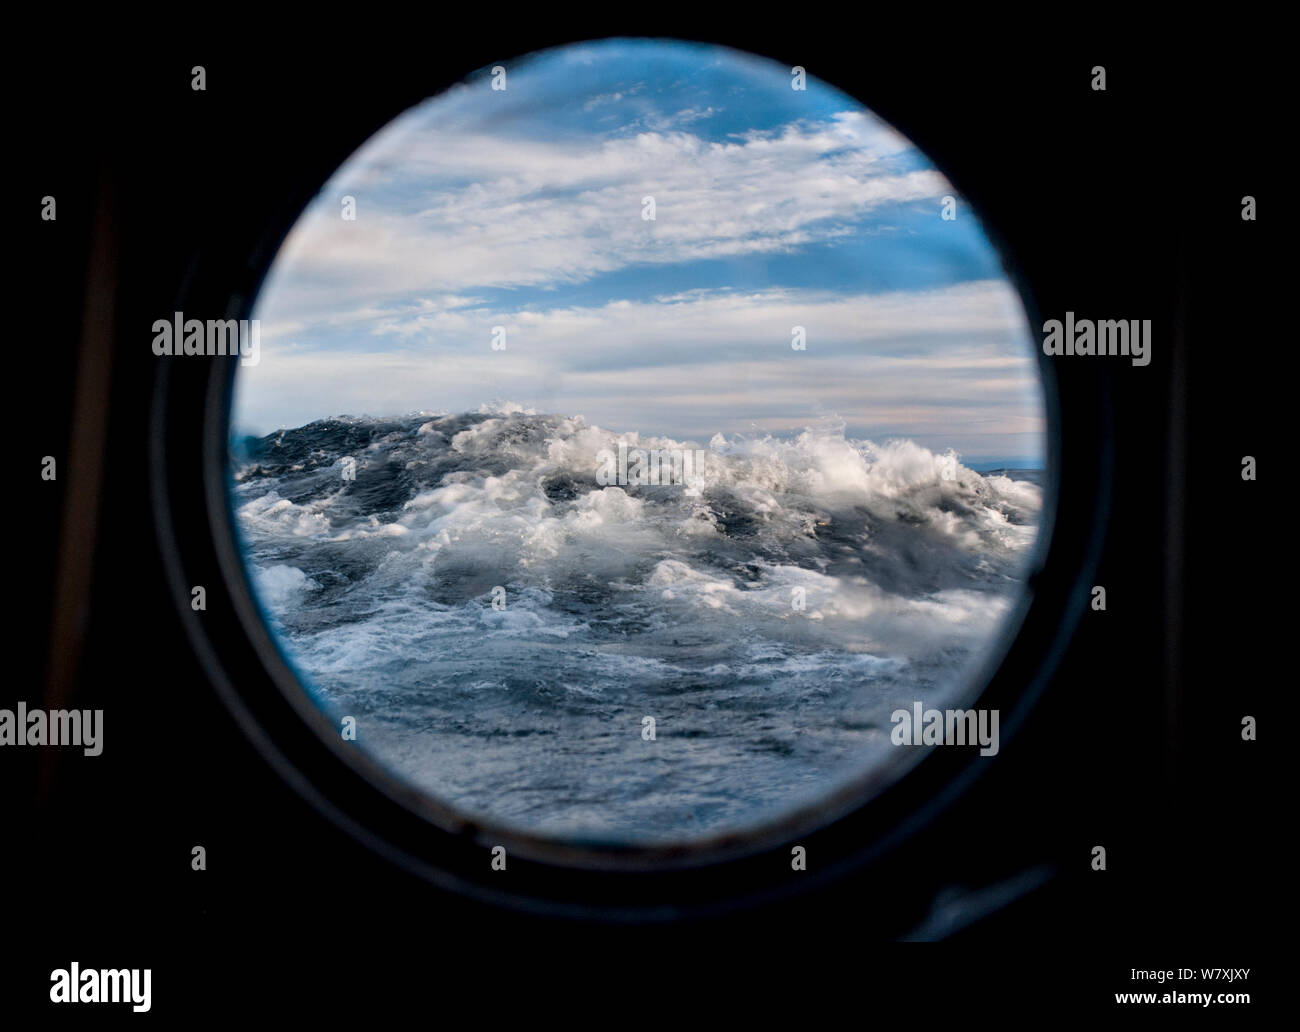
(675, 602)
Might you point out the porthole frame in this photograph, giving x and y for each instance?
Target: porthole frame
(848, 831)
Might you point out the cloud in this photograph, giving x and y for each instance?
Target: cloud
(942, 364)
(524, 210)
(537, 213)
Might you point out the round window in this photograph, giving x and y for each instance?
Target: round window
(638, 430)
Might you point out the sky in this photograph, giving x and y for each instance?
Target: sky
(524, 208)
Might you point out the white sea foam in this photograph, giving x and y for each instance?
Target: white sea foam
(768, 617)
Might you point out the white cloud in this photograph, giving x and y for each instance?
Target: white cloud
(926, 364)
(540, 213)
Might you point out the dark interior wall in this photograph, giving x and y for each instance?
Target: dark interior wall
(1121, 204)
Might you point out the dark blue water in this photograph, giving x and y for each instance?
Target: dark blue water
(768, 615)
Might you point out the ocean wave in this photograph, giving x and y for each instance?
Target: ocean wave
(769, 611)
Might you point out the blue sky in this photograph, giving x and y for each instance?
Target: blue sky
(774, 208)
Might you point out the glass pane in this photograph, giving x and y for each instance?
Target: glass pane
(637, 428)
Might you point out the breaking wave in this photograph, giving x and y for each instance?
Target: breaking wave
(769, 613)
